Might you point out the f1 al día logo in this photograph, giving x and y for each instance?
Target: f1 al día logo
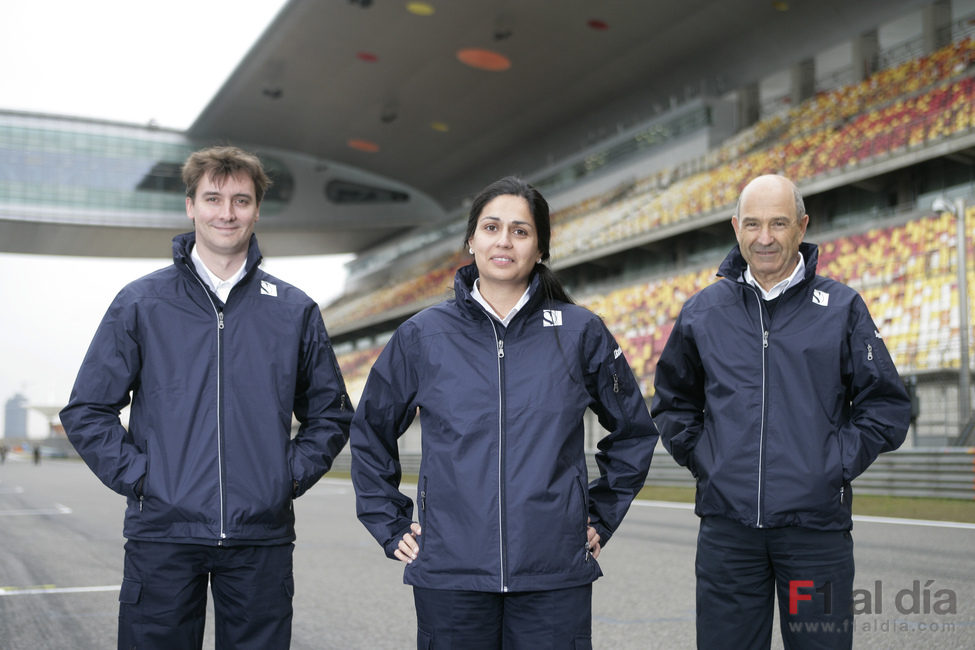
(916, 599)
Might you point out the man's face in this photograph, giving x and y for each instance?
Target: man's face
(768, 231)
(224, 214)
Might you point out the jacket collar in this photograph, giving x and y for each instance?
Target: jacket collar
(464, 282)
(734, 264)
(183, 246)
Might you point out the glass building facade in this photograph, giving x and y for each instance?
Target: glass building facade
(58, 169)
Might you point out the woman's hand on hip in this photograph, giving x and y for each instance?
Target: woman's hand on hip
(408, 547)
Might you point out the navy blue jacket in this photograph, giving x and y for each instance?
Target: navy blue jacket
(776, 411)
(213, 388)
(504, 496)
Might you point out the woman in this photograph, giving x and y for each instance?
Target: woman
(504, 550)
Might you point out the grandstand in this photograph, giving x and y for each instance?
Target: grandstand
(644, 219)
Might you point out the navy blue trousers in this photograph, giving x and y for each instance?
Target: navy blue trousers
(162, 603)
(741, 569)
(477, 620)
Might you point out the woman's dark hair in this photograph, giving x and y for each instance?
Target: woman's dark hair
(538, 206)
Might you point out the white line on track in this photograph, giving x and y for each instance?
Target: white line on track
(663, 504)
(58, 509)
(51, 589)
(913, 522)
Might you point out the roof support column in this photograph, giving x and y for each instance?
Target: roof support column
(936, 25)
(802, 84)
(865, 55)
(749, 105)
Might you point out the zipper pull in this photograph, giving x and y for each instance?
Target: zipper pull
(616, 383)
(869, 352)
(842, 490)
(423, 500)
(500, 349)
(219, 320)
(765, 339)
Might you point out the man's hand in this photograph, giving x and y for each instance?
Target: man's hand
(592, 543)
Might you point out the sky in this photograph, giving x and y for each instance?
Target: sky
(124, 60)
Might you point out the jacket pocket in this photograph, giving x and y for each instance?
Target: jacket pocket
(584, 496)
(142, 485)
(131, 592)
(875, 353)
(422, 517)
(834, 471)
(620, 377)
(692, 464)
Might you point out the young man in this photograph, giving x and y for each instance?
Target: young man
(216, 355)
(776, 391)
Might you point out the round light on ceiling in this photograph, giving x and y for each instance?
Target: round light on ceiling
(483, 59)
(363, 145)
(420, 8)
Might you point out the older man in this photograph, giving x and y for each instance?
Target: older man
(775, 390)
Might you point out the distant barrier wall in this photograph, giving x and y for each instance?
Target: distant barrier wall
(944, 472)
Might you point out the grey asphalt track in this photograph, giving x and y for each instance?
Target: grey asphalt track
(61, 564)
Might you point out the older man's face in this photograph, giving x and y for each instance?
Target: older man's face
(768, 230)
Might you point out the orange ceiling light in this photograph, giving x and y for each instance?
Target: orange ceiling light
(420, 8)
(366, 146)
(368, 57)
(484, 59)
(598, 25)
(440, 127)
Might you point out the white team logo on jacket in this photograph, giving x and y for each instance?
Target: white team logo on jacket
(820, 297)
(551, 318)
(268, 288)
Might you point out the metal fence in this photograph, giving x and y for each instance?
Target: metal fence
(946, 473)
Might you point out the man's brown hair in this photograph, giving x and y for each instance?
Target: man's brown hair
(221, 163)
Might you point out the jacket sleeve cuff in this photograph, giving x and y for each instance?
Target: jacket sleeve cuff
(604, 534)
(393, 543)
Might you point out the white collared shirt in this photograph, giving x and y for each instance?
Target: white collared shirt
(476, 295)
(220, 287)
(797, 274)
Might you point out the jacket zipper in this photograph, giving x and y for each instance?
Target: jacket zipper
(761, 434)
(501, 551)
(220, 326)
(223, 496)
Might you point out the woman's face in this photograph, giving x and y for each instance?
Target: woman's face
(505, 242)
